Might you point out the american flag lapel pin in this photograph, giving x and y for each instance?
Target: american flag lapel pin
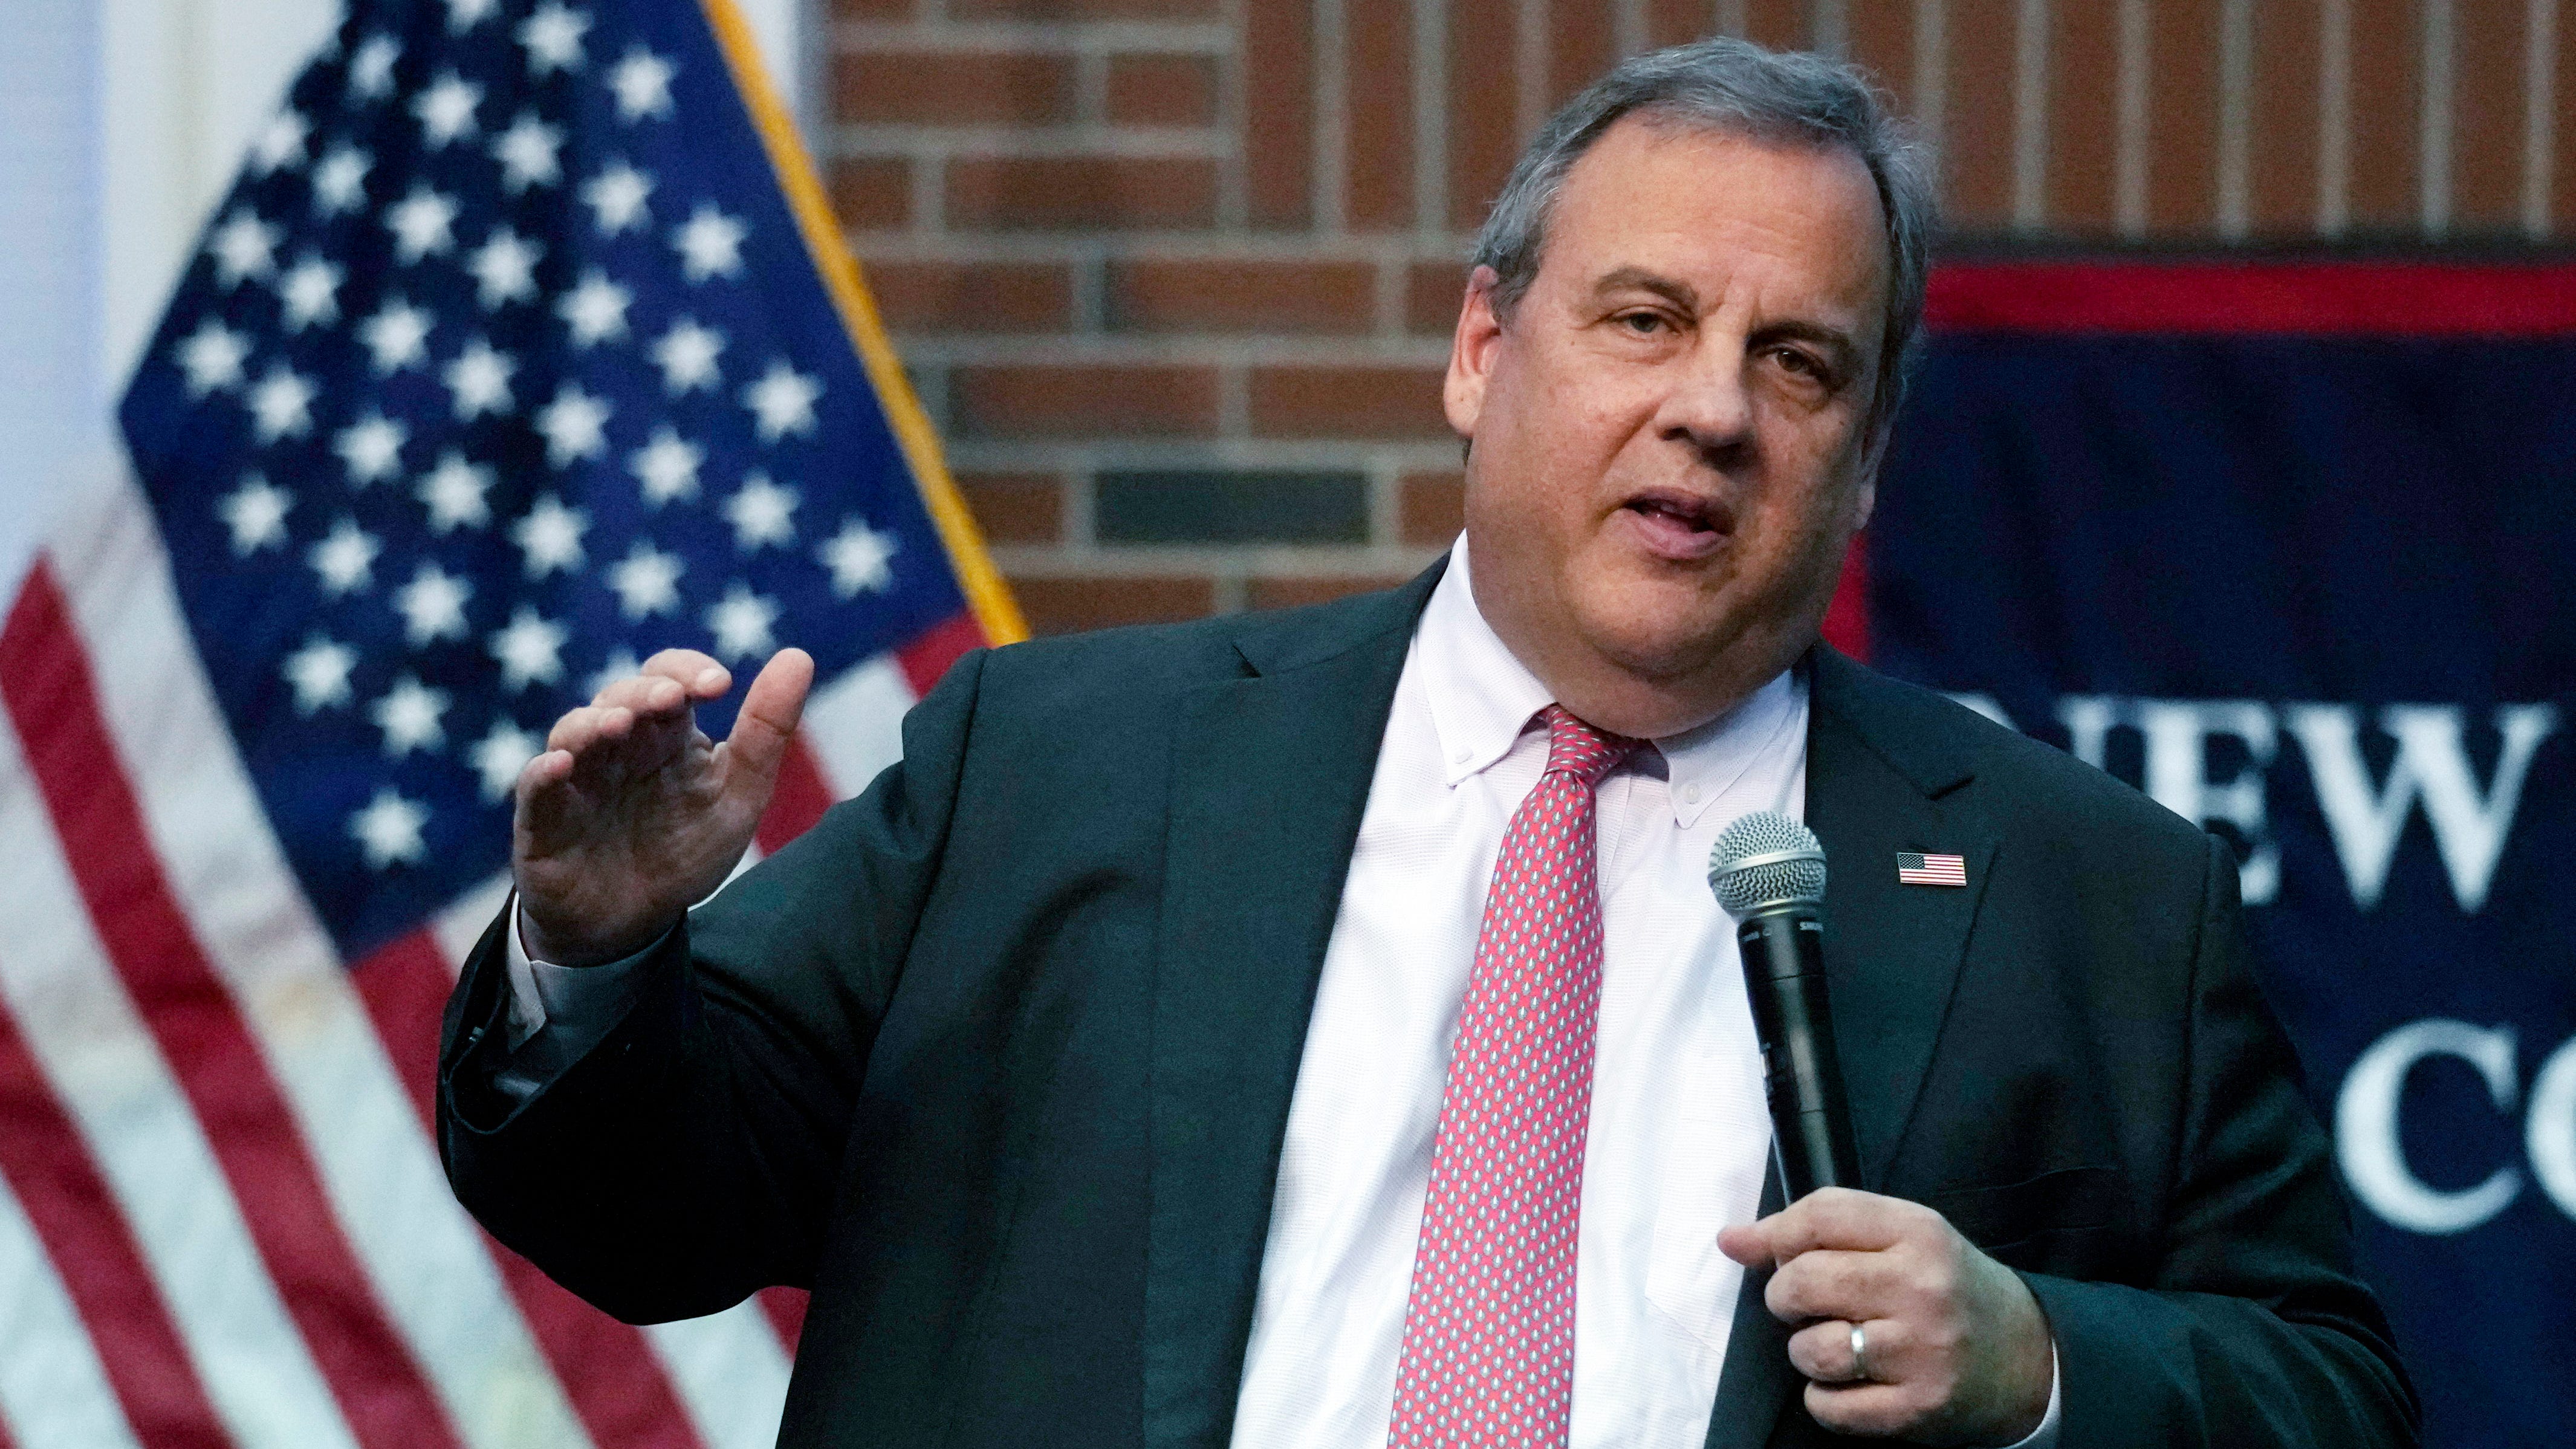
(1931, 870)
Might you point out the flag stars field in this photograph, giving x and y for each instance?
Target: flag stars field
(642, 81)
(371, 70)
(709, 244)
(340, 181)
(446, 111)
(617, 197)
(396, 337)
(454, 494)
(558, 342)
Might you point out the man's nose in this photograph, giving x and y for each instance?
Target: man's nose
(1709, 405)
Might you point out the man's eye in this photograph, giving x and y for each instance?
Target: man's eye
(1797, 362)
(1642, 323)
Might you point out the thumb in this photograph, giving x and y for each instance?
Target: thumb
(770, 710)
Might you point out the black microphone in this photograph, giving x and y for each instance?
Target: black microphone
(1769, 873)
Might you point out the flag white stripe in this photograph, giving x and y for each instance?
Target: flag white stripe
(855, 724)
(53, 1389)
(732, 1372)
(82, 1029)
(431, 1270)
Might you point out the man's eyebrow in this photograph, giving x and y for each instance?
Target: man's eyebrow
(1680, 294)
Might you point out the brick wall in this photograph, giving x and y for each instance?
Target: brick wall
(1176, 277)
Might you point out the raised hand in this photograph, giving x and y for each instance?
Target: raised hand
(1955, 1348)
(632, 815)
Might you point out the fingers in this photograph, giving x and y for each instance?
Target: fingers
(1831, 1283)
(1831, 1217)
(701, 675)
(770, 711)
(1823, 1352)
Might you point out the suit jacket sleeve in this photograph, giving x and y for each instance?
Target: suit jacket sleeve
(688, 1157)
(2254, 1331)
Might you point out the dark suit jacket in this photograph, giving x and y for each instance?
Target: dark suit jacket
(997, 1060)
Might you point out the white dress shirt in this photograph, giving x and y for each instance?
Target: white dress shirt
(1680, 1137)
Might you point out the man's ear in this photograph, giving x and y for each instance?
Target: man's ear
(1471, 353)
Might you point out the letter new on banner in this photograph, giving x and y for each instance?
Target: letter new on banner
(2292, 548)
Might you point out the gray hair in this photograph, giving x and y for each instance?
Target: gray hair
(1738, 87)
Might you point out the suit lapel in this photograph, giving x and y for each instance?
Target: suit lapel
(1270, 776)
(1892, 951)
(1892, 954)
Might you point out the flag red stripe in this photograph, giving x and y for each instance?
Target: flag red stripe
(48, 691)
(95, 1253)
(785, 1308)
(801, 797)
(928, 657)
(608, 1369)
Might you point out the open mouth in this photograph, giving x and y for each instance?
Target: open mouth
(1678, 524)
(1690, 513)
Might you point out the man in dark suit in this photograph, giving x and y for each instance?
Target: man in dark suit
(1275, 1030)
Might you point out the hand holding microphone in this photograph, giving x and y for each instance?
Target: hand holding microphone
(1905, 1328)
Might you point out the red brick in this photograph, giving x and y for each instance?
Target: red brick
(872, 194)
(1347, 402)
(1077, 193)
(1015, 507)
(1291, 593)
(2486, 121)
(1670, 22)
(1432, 293)
(1432, 507)
(1977, 115)
(2281, 181)
(1484, 40)
(2562, 169)
(1162, 90)
(1242, 296)
(1084, 9)
(1779, 24)
(1016, 401)
(953, 88)
(1377, 103)
(973, 296)
(2182, 133)
(2387, 102)
(1882, 43)
(2083, 119)
(1579, 45)
(1069, 606)
(1279, 111)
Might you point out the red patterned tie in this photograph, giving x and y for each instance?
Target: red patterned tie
(1489, 1329)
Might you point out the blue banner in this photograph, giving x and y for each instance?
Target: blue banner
(2293, 549)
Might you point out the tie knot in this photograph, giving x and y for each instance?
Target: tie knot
(1578, 749)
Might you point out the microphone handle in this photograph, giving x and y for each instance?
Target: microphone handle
(1784, 974)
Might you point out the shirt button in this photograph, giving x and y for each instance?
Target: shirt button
(1459, 757)
(1690, 794)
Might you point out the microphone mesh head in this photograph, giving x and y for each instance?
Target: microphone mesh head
(1766, 859)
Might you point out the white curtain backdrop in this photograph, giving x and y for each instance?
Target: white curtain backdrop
(121, 122)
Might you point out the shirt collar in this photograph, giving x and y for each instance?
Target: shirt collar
(1482, 698)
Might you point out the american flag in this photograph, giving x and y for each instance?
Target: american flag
(1931, 870)
(521, 348)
